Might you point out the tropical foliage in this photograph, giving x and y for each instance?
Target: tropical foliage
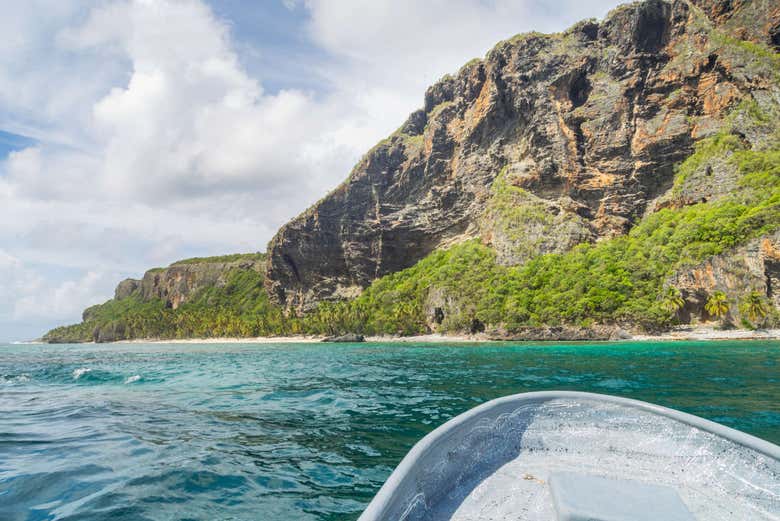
(754, 306)
(718, 305)
(613, 281)
(673, 300)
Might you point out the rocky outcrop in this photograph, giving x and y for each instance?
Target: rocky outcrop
(177, 283)
(348, 338)
(757, 21)
(584, 129)
(548, 142)
(754, 267)
(562, 333)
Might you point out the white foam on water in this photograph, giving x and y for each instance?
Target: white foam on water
(131, 379)
(78, 373)
(22, 378)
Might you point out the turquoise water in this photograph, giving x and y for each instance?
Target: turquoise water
(265, 432)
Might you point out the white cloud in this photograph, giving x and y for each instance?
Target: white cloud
(62, 301)
(15, 280)
(44, 173)
(394, 49)
(155, 143)
(46, 91)
(26, 296)
(189, 119)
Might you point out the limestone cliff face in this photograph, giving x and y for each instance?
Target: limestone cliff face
(752, 267)
(177, 283)
(549, 141)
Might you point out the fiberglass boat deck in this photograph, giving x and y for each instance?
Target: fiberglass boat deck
(571, 456)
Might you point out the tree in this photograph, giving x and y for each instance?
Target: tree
(717, 305)
(754, 307)
(673, 300)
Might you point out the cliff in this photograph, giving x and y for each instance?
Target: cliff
(548, 142)
(753, 268)
(621, 175)
(191, 297)
(179, 282)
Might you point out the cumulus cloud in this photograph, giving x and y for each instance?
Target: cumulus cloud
(394, 49)
(187, 121)
(28, 300)
(155, 143)
(15, 280)
(62, 301)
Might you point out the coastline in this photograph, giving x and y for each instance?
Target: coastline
(302, 339)
(710, 333)
(683, 333)
(308, 339)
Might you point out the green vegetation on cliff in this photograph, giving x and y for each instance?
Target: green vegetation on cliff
(233, 257)
(240, 307)
(620, 280)
(725, 194)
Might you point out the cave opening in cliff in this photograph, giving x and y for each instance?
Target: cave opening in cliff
(579, 90)
(652, 27)
(774, 36)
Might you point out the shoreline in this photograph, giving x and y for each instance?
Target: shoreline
(710, 333)
(681, 334)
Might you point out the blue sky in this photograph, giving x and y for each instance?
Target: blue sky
(10, 142)
(272, 43)
(137, 132)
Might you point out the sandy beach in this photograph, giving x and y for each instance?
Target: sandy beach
(307, 339)
(710, 333)
(682, 333)
(302, 339)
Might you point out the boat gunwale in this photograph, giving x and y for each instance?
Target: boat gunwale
(383, 499)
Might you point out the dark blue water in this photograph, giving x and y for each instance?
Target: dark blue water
(265, 432)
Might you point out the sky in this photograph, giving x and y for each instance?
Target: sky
(137, 132)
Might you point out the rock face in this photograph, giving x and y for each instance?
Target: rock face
(549, 141)
(562, 333)
(752, 267)
(175, 284)
(757, 21)
(348, 338)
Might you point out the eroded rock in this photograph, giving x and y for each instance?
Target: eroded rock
(589, 124)
(178, 282)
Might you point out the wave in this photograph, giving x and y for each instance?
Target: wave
(81, 371)
(131, 379)
(14, 379)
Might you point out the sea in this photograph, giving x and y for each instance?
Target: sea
(304, 431)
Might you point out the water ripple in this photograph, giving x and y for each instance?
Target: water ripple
(158, 432)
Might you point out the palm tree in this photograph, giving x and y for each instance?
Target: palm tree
(754, 306)
(673, 300)
(717, 305)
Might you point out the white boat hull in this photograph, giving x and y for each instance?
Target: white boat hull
(495, 461)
